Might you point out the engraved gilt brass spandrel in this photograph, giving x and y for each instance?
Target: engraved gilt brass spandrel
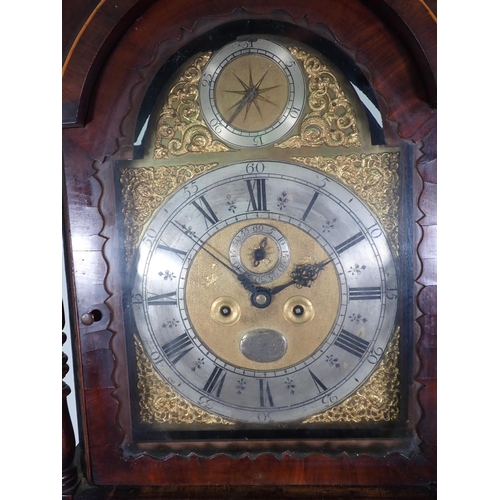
(159, 403)
(145, 189)
(377, 400)
(331, 120)
(180, 128)
(373, 177)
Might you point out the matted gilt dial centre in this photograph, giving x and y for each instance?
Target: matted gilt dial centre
(277, 324)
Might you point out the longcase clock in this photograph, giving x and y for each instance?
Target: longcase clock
(252, 303)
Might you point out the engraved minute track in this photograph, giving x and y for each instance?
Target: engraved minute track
(263, 309)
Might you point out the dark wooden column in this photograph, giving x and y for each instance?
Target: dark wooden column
(69, 471)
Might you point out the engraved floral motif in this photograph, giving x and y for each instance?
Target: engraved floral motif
(329, 225)
(356, 269)
(290, 385)
(282, 201)
(240, 386)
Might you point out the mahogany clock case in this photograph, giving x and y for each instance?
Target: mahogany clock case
(105, 357)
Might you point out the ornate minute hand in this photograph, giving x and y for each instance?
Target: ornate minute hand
(244, 280)
(303, 275)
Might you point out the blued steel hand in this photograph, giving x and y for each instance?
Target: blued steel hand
(259, 254)
(242, 278)
(303, 275)
(251, 94)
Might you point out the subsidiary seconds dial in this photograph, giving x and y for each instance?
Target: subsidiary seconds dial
(252, 92)
(265, 292)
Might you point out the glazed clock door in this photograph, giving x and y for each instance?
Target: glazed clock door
(261, 284)
(241, 233)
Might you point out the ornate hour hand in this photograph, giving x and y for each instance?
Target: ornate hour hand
(303, 275)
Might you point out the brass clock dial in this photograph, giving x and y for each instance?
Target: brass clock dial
(268, 344)
(252, 92)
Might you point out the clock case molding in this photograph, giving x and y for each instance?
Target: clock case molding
(113, 54)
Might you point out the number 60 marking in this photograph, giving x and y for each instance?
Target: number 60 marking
(253, 168)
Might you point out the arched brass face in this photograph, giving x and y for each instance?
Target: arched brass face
(252, 93)
(273, 307)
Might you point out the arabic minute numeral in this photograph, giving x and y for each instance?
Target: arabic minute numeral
(206, 80)
(255, 168)
(191, 189)
(258, 140)
(375, 231)
(216, 125)
(149, 237)
(295, 112)
(374, 355)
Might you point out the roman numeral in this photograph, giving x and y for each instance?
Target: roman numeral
(178, 347)
(352, 343)
(319, 385)
(365, 293)
(207, 212)
(215, 382)
(258, 199)
(164, 299)
(265, 395)
(179, 253)
(350, 242)
(311, 203)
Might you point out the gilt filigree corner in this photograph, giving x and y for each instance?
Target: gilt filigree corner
(144, 189)
(331, 120)
(375, 401)
(180, 128)
(158, 402)
(373, 177)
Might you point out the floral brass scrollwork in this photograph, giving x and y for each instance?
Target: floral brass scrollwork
(376, 400)
(331, 121)
(180, 128)
(144, 189)
(373, 176)
(159, 403)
